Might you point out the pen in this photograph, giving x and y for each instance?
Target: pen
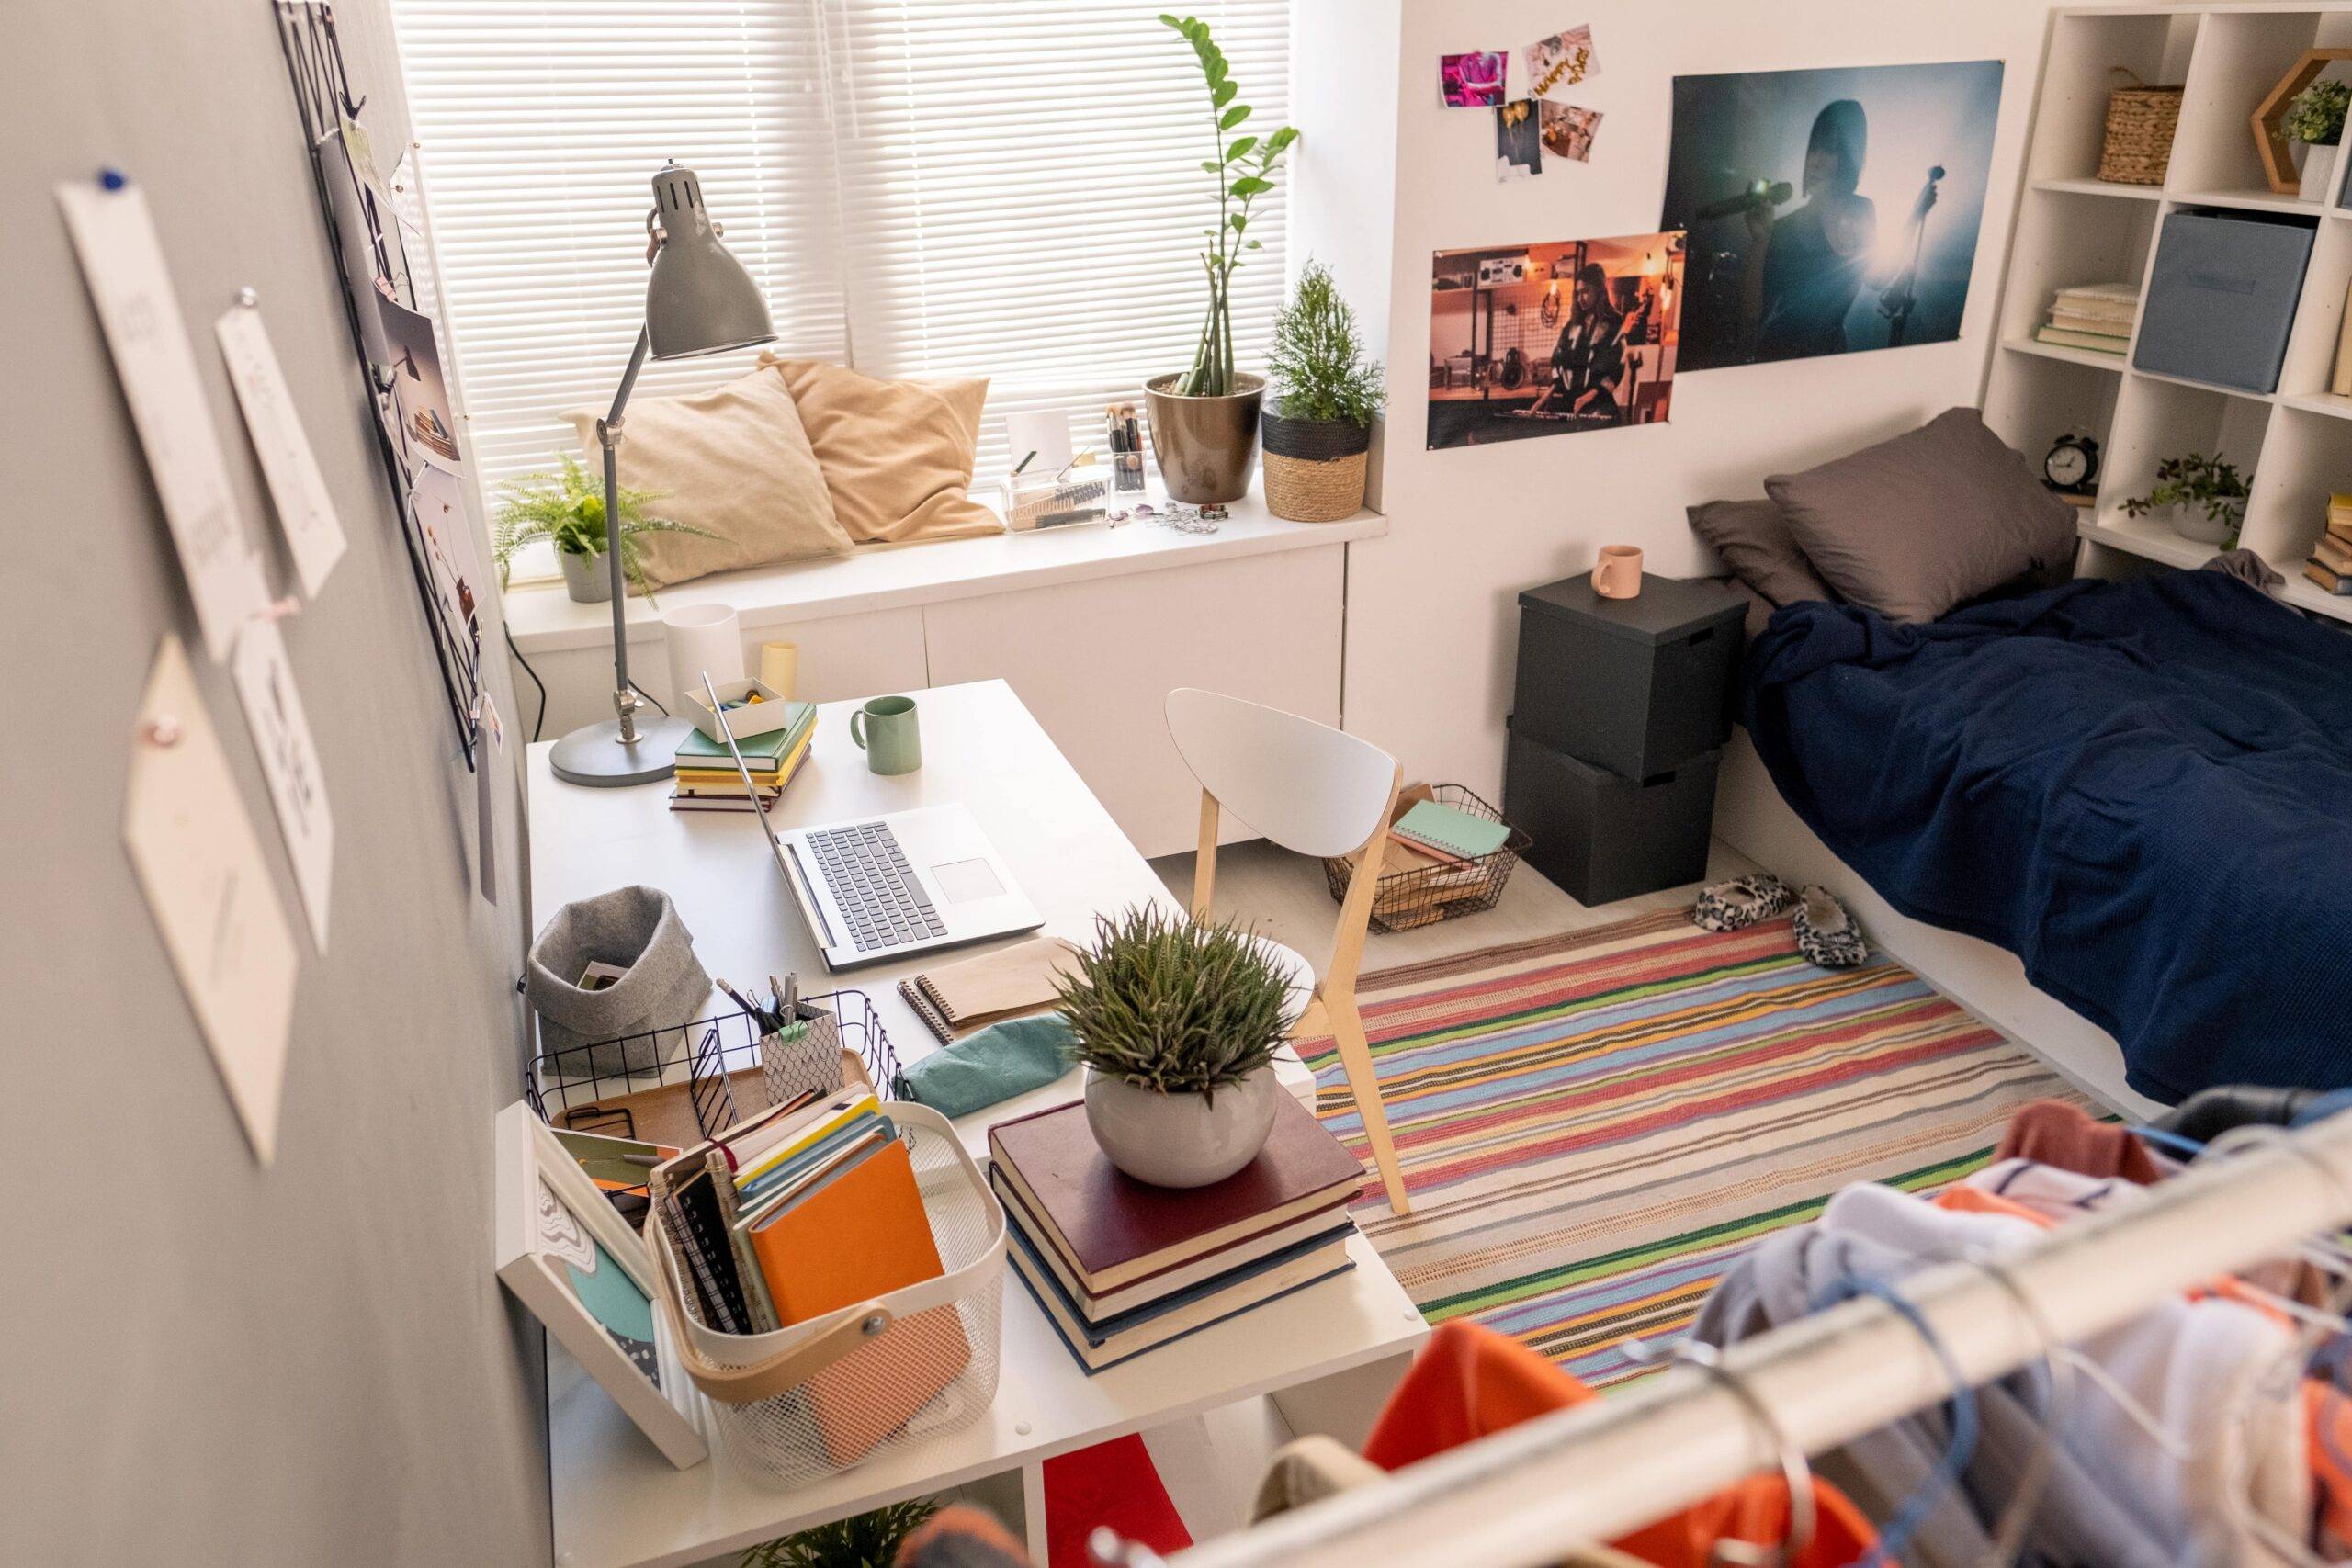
(1074, 462)
(1026, 461)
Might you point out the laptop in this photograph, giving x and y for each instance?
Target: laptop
(877, 888)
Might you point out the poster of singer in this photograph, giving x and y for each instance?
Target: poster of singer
(1830, 211)
(1553, 339)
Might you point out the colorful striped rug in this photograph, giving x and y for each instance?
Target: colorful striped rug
(1594, 1125)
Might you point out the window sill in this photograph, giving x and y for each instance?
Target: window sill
(543, 620)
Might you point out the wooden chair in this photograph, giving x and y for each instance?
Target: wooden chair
(1316, 791)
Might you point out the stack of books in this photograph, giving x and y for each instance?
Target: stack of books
(707, 779)
(2331, 563)
(2096, 316)
(1121, 1268)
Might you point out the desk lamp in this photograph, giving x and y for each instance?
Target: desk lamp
(699, 300)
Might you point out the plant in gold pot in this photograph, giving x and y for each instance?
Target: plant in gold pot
(1204, 419)
(1177, 1024)
(1319, 432)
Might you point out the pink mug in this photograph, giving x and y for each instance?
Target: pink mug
(1618, 574)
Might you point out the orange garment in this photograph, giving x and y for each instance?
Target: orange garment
(2060, 1133)
(1470, 1383)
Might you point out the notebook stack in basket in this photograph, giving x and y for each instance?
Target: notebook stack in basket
(1121, 1268)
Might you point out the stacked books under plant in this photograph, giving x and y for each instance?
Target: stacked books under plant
(2096, 317)
(1186, 1188)
(2331, 563)
(707, 779)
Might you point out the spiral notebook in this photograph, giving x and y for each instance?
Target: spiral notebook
(953, 1000)
(1448, 832)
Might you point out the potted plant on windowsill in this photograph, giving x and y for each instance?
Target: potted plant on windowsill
(1319, 433)
(2198, 497)
(1176, 1024)
(2316, 119)
(568, 510)
(1204, 419)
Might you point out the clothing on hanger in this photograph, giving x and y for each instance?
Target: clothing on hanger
(2061, 1134)
(1469, 1381)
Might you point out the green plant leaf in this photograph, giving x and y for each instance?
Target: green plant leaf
(1233, 116)
(1240, 148)
(1251, 185)
(1239, 221)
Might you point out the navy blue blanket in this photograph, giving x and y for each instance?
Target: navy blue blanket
(2142, 789)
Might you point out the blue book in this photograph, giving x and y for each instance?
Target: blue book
(785, 1171)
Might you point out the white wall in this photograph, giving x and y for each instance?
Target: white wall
(1432, 608)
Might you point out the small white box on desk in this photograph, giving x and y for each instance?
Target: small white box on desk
(745, 717)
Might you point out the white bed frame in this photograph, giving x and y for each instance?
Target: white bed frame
(1751, 817)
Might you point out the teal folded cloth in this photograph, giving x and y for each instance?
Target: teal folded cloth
(999, 1062)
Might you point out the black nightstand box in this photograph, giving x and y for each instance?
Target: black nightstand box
(1602, 837)
(1638, 686)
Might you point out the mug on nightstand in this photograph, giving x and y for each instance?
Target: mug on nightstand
(1618, 574)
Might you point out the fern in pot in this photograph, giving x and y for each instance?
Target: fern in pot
(1177, 1024)
(1319, 433)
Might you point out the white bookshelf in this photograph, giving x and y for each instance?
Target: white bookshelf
(2074, 229)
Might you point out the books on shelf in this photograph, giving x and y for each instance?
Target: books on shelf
(2097, 317)
(2335, 582)
(2330, 565)
(1120, 1267)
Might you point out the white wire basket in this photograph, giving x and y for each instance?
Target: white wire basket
(873, 1378)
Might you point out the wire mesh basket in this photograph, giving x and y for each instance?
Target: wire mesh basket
(873, 1378)
(1424, 895)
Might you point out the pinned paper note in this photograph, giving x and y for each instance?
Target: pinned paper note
(489, 765)
(122, 261)
(289, 762)
(305, 510)
(201, 869)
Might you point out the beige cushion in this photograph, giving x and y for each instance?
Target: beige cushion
(733, 460)
(1754, 542)
(1912, 526)
(897, 454)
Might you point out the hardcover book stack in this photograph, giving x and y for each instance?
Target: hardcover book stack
(1121, 1268)
(2331, 563)
(2096, 316)
(707, 779)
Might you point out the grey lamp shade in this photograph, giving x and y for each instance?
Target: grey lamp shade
(700, 299)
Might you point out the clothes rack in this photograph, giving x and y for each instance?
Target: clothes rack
(1599, 1471)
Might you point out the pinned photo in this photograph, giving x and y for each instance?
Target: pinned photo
(1472, 81)
(1567, 130)
(1561, 60)
(1553, 339)
(428, 422)
(1519, 141)
(452, 561)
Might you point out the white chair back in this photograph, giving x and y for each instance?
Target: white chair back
(1310, 788)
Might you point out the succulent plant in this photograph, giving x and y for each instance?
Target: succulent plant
(1170, 1005)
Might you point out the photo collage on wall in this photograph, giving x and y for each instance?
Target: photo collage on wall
(1538, 125)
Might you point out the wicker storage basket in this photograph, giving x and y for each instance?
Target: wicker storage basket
(2140, 123)
(796, 1404)
(1426, 895)
(1315, 469)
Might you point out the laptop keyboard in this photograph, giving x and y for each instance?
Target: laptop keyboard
(875, 887)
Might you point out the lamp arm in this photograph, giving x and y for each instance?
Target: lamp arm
(626, 700)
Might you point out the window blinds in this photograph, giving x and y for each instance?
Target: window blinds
(924, 187)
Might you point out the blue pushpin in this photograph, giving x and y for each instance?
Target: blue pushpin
(112, 179)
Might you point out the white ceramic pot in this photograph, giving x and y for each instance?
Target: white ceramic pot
(2319, 163)
(2190, 522)
(585, 579)
(1180, 1140)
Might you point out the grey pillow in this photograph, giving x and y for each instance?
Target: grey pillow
(1912, 526)
(1754, 542)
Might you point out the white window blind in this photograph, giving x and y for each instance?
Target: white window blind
(922, 186)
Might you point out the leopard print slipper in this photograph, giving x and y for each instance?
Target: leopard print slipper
(1742, 902)
(1827, 935)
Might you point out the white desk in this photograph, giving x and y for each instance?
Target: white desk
(616, 1500)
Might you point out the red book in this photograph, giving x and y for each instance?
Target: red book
(1115, 1230)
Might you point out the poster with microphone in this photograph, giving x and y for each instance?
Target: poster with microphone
(1829, 211)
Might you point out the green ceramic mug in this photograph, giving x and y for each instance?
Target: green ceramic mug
(885, 729)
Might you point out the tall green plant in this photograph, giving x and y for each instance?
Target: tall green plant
(1318, 358)
(1244, 167)
(568, 510)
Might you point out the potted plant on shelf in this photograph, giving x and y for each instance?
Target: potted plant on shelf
(863, 1540)
(2316, 119)
(1319, 431)
(2198, 497)
(1176, 1024)
(568, 510)
(1204, 419)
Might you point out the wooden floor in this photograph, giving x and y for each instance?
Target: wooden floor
(1283, 895)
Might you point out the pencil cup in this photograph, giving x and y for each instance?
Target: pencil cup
(702, 639)
(886, 731)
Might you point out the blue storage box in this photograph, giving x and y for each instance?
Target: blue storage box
(2222, 297)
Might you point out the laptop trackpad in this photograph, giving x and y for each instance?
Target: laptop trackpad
(962, 881)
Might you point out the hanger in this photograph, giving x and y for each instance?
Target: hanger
(1795, 1473)
(1912, 1512)
(2058, 1367)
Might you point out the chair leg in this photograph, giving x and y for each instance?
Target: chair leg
(1363, 1082)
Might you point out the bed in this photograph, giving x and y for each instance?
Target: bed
(2142, 789)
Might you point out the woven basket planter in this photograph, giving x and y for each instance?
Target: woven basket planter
(2140, 123)
(1315, 469)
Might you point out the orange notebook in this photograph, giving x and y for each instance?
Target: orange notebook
(861, 1235)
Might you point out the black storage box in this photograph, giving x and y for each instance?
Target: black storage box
(1638, 686)
(1602, 837)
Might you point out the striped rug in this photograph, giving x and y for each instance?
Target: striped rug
(1594, 1125)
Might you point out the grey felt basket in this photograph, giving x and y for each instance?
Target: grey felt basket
(638, 1020)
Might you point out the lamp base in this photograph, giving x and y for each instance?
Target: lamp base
(593, 755)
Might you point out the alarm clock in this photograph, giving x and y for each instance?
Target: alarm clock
(2072, 464)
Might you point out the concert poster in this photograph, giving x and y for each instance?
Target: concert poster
(1557, 339)
(1830, 211)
